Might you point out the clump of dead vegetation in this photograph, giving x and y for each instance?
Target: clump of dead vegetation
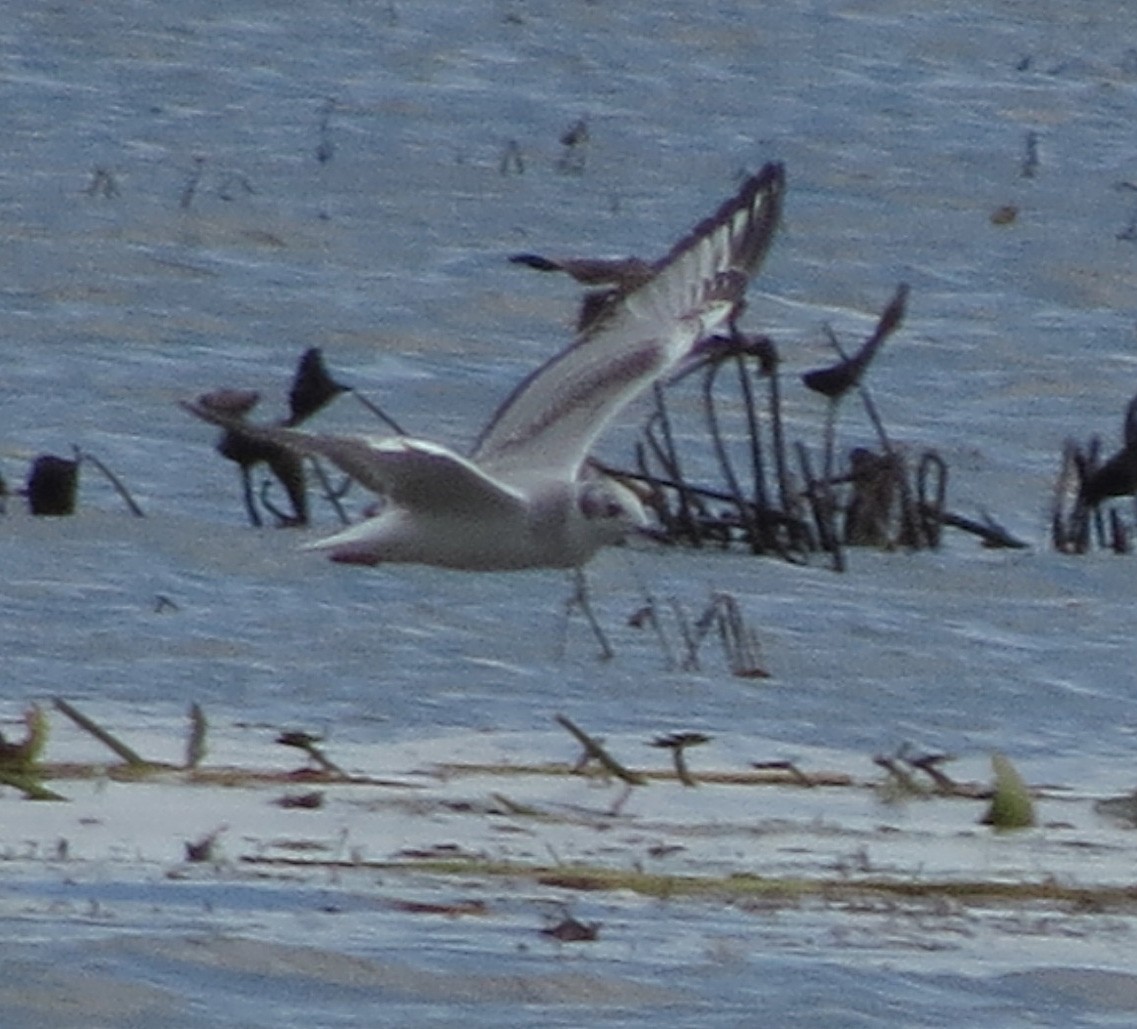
(1083, 513)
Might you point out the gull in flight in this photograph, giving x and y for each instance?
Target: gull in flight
(526, 496)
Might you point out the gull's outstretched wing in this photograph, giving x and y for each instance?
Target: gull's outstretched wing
(411, 473)
(551, 420)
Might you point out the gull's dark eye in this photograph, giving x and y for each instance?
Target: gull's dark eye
(598, 503)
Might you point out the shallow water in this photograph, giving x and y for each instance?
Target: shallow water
(227, 248)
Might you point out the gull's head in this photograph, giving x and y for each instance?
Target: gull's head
(610, 509)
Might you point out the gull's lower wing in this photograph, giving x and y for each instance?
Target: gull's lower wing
(553, 417)
(411, 473)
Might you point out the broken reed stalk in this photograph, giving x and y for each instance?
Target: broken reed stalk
(331, 495)
(734, 491)
(668, 457)
(650, 613)
(790, 768)
(910, 535)
(757, 460)
(691, 640)
(677, 743)
(762, 528)
(991, 533)
(195, 743)
(1118, 533)
(114, 480)
(819, 494)
(579, 598)
(249, 497)
(101, 734)
(306, 742)
(1073, 521)
(28, 784)
(747, 519)
(379, 413)
(829, 439)
(761, 532)
(268, 505)
(901, 782)
(931, 476)
(20, 762)
(765, 529)
(739, 642)
(786, 494)
(598, 753)
(682, 773)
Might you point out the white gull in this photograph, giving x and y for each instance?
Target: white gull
(526, 497)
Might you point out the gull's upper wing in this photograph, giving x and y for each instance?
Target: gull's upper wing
(550, 421)
(408, 472)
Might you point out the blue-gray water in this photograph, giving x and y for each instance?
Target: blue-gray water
(903, 127)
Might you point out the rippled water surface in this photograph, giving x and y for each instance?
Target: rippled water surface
(168, 228)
